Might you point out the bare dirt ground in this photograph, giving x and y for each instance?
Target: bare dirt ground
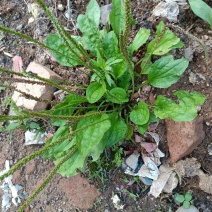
(78, 194)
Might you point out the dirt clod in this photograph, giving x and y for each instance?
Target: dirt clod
(30, 167)
(81, 194)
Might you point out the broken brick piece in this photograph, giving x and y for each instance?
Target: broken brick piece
(183, 137)
(44, 92)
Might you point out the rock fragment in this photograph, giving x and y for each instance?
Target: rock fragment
(205, 182)
(183, 137)
(188, 167)
(191, 167)
(39, 91)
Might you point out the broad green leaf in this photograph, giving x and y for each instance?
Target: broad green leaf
(76, 161)
(164, 107)
(117, 17)
(188, 196)
(198, 98)
(152, 118)
(66, 107)
(53, 152)
(124, 79)
(117, 130)
(188, 102)
(178, 45)
(119, 69)
(117, 95)
(142, 128)
(100, 62)
(180, 198)
(97, 150)
(162, 45)
(66, 58)
(93, 12)
(129, 132)
(95, 128)
(91, 36)
(186, 204)
(166, 71)
(113, 135)
(109, 80)
(186, 110)
(34, 125)
(164, 41)
(112, 61)
(95, 91)
(146, 63)
(110, 45)
(70, 167)
(140, 115)
(12, 126)
(140, 39)
(202, 10)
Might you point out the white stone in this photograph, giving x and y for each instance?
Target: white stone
(31, 20)
(191, 209)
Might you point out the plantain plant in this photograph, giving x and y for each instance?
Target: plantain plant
(106, 114)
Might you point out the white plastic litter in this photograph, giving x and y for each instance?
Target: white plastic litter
(105, 13)
(168, 9)
(146, 172)
(132, 160)
(147, 167)
(117, 202)
(33, 137)
(163, 181)
(10, 190)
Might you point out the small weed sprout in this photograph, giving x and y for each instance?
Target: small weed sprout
(186, 199)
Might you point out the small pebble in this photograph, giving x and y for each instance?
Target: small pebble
(205, 37)
(45, 202)
(210, 149)
(60, 7)
(19, 27)
(198, 29)
(31, 20)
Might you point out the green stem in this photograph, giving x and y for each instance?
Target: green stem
(158, 39)
(31, 114)
(47, 180)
